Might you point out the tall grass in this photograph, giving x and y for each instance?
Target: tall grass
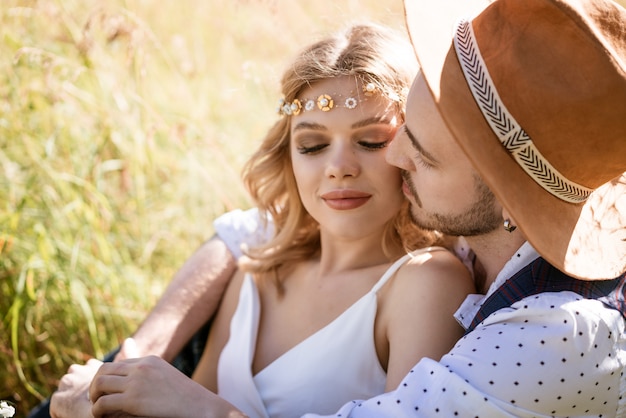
(123, 127)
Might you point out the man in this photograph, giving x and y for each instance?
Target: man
(529, 97)
(515, 139)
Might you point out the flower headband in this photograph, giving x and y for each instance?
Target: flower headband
(326, 102)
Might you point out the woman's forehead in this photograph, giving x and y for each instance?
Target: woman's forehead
(342, 84)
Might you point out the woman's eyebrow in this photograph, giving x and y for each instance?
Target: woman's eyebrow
(309, 125)
(375, 120)
(372, 121)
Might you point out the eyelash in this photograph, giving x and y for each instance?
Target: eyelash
(369, 146)
(423, 163)
(374, 146)
(418, 156)
(311, 150)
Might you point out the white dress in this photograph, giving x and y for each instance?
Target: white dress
(334, 365)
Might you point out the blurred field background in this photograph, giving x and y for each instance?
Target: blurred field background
(123, 129)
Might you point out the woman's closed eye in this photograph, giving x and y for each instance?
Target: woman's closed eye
(374, 140)
(368, 146)
(311, 149)
(374, 146)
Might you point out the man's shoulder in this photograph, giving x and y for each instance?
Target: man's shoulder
(541, 281)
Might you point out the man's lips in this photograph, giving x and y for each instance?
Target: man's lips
(406, 184)
(345, 199)
(409, 191)
(406, 189)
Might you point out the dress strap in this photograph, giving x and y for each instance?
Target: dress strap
(398, 263)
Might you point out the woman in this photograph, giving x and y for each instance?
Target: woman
(334, 288)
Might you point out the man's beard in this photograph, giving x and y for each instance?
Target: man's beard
(481, 217)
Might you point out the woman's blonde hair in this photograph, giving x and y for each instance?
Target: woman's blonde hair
(371, 53)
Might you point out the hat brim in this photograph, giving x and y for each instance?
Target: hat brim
(587, 241)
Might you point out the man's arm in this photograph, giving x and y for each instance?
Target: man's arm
(188, 302)
(552, 354)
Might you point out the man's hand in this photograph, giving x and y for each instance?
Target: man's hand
(146, 386)
(151, 387)
(71, 400)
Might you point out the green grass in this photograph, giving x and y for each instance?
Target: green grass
(123, 128)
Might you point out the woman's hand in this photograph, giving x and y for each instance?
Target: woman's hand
(71, 399)
(151, 387)
(129, 349)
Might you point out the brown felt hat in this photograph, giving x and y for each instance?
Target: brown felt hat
(534, 92)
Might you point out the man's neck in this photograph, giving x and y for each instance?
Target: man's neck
(492, 252)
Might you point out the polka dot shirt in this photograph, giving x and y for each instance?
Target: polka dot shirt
(548, 355)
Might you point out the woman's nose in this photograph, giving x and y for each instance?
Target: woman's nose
(343, 162)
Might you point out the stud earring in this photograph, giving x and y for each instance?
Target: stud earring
(508, 227)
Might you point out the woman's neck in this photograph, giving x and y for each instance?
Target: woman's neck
(341, 254)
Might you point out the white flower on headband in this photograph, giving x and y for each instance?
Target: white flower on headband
(6, 410)
(286, 109)
(350, 103)
(280, 109)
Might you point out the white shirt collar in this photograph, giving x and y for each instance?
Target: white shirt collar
(525, 255)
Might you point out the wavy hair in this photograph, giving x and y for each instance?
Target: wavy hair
(373, 54)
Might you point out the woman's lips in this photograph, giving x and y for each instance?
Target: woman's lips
(345, 199)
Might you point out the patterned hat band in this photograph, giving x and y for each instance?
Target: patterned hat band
(327, 102)
(509, 132)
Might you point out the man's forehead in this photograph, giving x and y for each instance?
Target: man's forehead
(424, 122)
(419, 101)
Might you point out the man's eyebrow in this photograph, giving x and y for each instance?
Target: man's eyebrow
(417, 145)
